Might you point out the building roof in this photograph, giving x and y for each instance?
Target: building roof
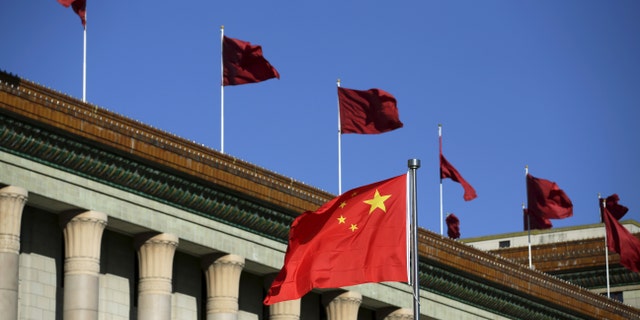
(83, 139)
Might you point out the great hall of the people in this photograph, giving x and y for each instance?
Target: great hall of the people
(104, 217)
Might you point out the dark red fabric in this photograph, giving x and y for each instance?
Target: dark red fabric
(617, 211)
(358, 237)
(453, 226)
(448, 171)
(79, 7)
(620, 240)
(367, 111)
(244, 63)
(537, 222)
(545, 199)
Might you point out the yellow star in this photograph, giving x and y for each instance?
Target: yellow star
(343, 204)
(341, 220)
(377, 202)
(353, 227)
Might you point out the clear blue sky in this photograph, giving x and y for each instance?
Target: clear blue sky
(554, 85)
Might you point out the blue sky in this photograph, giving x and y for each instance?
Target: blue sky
(554, 85)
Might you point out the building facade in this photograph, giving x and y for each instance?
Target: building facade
(103, 217)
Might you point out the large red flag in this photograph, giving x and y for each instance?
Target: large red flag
(448, 171)
(546, 199)
(620, 240)
(244, 63)
(453, 226)
(358, 237)
(367, 111)
(78, 6)
(534, 222)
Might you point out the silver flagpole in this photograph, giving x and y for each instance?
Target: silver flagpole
(606, 245)
(526, 172)
(221, 89)
(84, 59)
(441, 205)
(413, 165)
(339, 145)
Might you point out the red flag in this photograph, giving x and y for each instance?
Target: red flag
(448, 171)
(367, 111)
(620, 240)
(244, 63)
(546, 199)
(535, 222)
(358, 237)
(78, 6)
(617, 211)
(453, 226)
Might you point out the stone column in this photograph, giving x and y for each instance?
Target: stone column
(285, 310)
(398, 314)
(155, 260)
(82, 238)
(342, 305)
(222, 274)
(12, 201)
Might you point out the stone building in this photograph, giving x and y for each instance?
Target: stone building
(103, 217)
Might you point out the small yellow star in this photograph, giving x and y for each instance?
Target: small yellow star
(353, 227)
(343, 204)
(377, 202)
(341, 220)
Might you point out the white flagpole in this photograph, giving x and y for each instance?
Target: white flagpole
(84, 59)
(413, 165)
(606, 245)
(221, 89)
(441, 205)
(339, 145)
(526, 172)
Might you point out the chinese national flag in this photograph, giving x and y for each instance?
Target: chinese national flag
(545, 199)
(244, 63)
(367, 111)
(620, 240)
(535, 222)
(78, 6)
(453, 226)
(358, 237)
(448, 171)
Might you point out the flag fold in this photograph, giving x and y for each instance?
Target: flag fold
(546, 200)
(244, 63)
(358, 237)
(535, 222)
(367, 111)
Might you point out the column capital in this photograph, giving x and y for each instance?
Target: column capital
(342, 305)
(222, 272)
(393, 313)
(12, 201)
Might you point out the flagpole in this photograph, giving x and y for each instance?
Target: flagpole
(339, 145)
(413, 165)
(603, 204)
(84, 59)
(221, 89)
(441, 206)
(526, 172)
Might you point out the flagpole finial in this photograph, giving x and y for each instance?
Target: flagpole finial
(338, 82)
(439, 125)
(222, 27)
(413, 163)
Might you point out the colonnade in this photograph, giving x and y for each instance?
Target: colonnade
(83, 231)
